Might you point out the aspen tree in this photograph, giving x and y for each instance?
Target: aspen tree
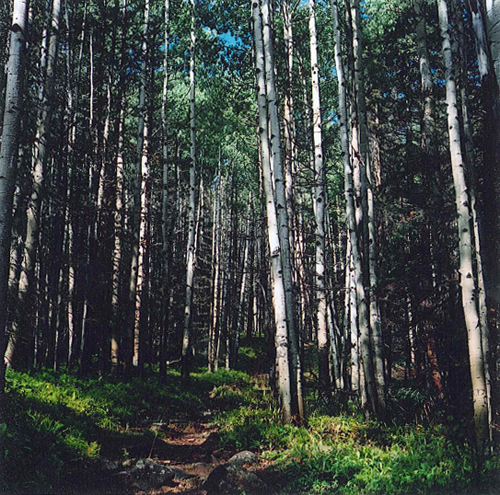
(244, 274)
(282, 210)
(69, 234)
(320, 200)
(190, 257)
(275, 250)
(165, 219)
(76, 273)
(467, 282)
(216, 248)
(290, 158)
(476, 231)
(357, 295)
(117, 251)
(359, 158)
(8, 160)
(22, 338)
(375, 319)
(143, 262)
(130, 353)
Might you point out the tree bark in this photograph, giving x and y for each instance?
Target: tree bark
(8, 167)
(190, 256)
(467, 282)
(165, 217)
(282, 211)
(21, 339)
(320, 199)
(275, 250)
(136, 201)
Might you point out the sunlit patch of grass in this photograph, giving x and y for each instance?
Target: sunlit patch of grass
(56, 419)
(346, 455)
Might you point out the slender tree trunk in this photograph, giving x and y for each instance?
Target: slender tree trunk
(472, 177)
(165, 219)
(359, 202)
(142, 272)
(467, 283)
(117, 251)
(358, 306)
(290, 159)
(21, 341)
(275, 250)
(190, 256)
(216, 244)
(244, 276)
(8, 170)
(320, 200)
(136, 200)
(485, 20)
(282, 211)
(368, 226)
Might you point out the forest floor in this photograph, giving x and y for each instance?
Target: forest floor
(190, 452)
(84, 436)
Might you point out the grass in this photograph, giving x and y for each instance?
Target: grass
(58, 423)
(346, 455)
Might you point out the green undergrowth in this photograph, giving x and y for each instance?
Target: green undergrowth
(56, 422)
(349, 456)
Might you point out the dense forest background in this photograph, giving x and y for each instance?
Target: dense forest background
(305, 191)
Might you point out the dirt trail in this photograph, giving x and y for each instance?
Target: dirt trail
(133, 461)
(193, 448)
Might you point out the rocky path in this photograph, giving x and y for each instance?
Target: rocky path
(175, 457)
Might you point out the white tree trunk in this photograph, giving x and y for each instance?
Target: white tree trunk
(117, 251)
(467, 283)
(191, 246)
(35, 205)
(278, 183)
(472, 177)
(481, 40)
(358, 307)
(165, 218)
(369, 218)
(244, 276)
(320, 199)
(215, 306)
(8, 158)
(136, 199)
(277, 283)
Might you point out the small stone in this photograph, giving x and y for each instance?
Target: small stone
(244, 457)
(231, 479)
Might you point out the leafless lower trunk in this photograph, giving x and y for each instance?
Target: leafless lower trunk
(190, 256)
(8, 162)
(467, 281)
